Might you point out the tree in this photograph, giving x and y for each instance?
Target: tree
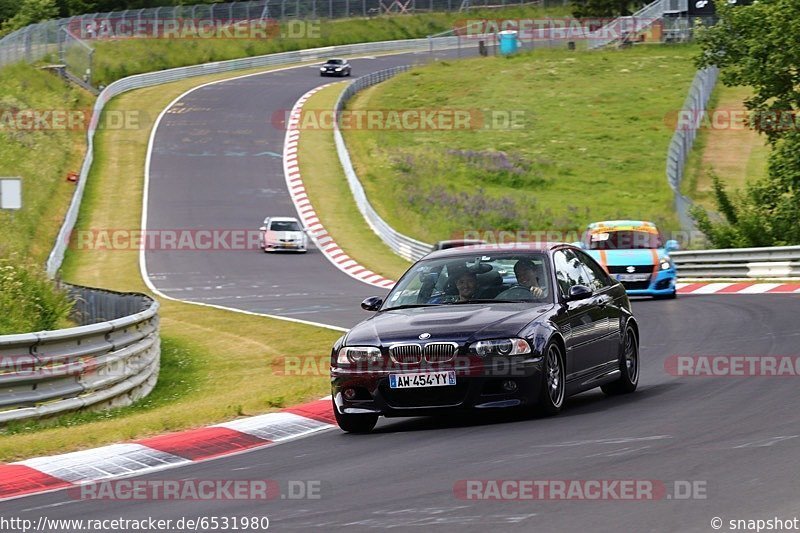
(30, 12)
(8, 8)
(759, 46)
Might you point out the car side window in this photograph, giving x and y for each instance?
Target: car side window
(569, 270)
(598, 278)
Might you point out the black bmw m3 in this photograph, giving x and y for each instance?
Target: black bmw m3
(487, 327)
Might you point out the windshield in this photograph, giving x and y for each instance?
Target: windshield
(336, 61)
(624, 240)
(481, 278)
(284, 225)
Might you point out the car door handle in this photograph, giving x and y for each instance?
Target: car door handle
(603, 301)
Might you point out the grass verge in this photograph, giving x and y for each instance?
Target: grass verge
(119, 58)
(41, 153)
(327, 188)
(590, 144)
(725, 146)
(216, 364)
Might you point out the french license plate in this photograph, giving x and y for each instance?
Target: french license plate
(633, 277)
(423, 379)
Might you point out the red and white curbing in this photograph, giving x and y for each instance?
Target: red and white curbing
(348, 265)
(308, 215)
(745, 287)
(44, 474)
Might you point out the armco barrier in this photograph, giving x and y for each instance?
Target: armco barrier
(777, 262)
(165, 76)
(110, 360)
(402, 245)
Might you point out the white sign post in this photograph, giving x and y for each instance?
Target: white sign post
(10, 193)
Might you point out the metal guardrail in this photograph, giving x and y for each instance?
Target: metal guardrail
(64, 38)
(617, 29)
(111, 360)
(165, 76)
(776, 262)
(680, 147)
(402, 245)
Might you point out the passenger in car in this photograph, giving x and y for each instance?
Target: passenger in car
(467, 285)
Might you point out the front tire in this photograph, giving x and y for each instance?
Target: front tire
(355, 423)
(551, 396)
(628, 366)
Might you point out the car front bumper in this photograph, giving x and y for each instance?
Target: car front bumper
(478, 387)
(662, 284)
(285, 247)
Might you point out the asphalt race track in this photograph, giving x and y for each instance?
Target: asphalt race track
(216, 164)
(738, 437)
(737, 440)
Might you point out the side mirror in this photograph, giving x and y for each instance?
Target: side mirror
(672, 246)
(262, 228)
(373, 303)
(579, 292)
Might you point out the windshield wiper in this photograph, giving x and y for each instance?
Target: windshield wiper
(409, 306)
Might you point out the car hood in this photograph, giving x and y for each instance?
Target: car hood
(629, 257)
(459, 323)
(294, 235)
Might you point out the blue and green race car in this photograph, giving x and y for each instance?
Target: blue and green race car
(633, 252)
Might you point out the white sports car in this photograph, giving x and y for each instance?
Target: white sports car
(283, 234)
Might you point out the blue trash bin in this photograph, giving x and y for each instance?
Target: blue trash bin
(508, 41)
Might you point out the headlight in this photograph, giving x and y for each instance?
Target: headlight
(322, 68)
(358, 354)
(511, 346)
(666, 263)
(338, 69)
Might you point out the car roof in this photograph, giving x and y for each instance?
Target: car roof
(468, 251)
(334, 59)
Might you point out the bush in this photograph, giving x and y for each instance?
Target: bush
(766, 212)
(28, 300)
(759, 46)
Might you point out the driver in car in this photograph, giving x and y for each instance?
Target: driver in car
(531, 281)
